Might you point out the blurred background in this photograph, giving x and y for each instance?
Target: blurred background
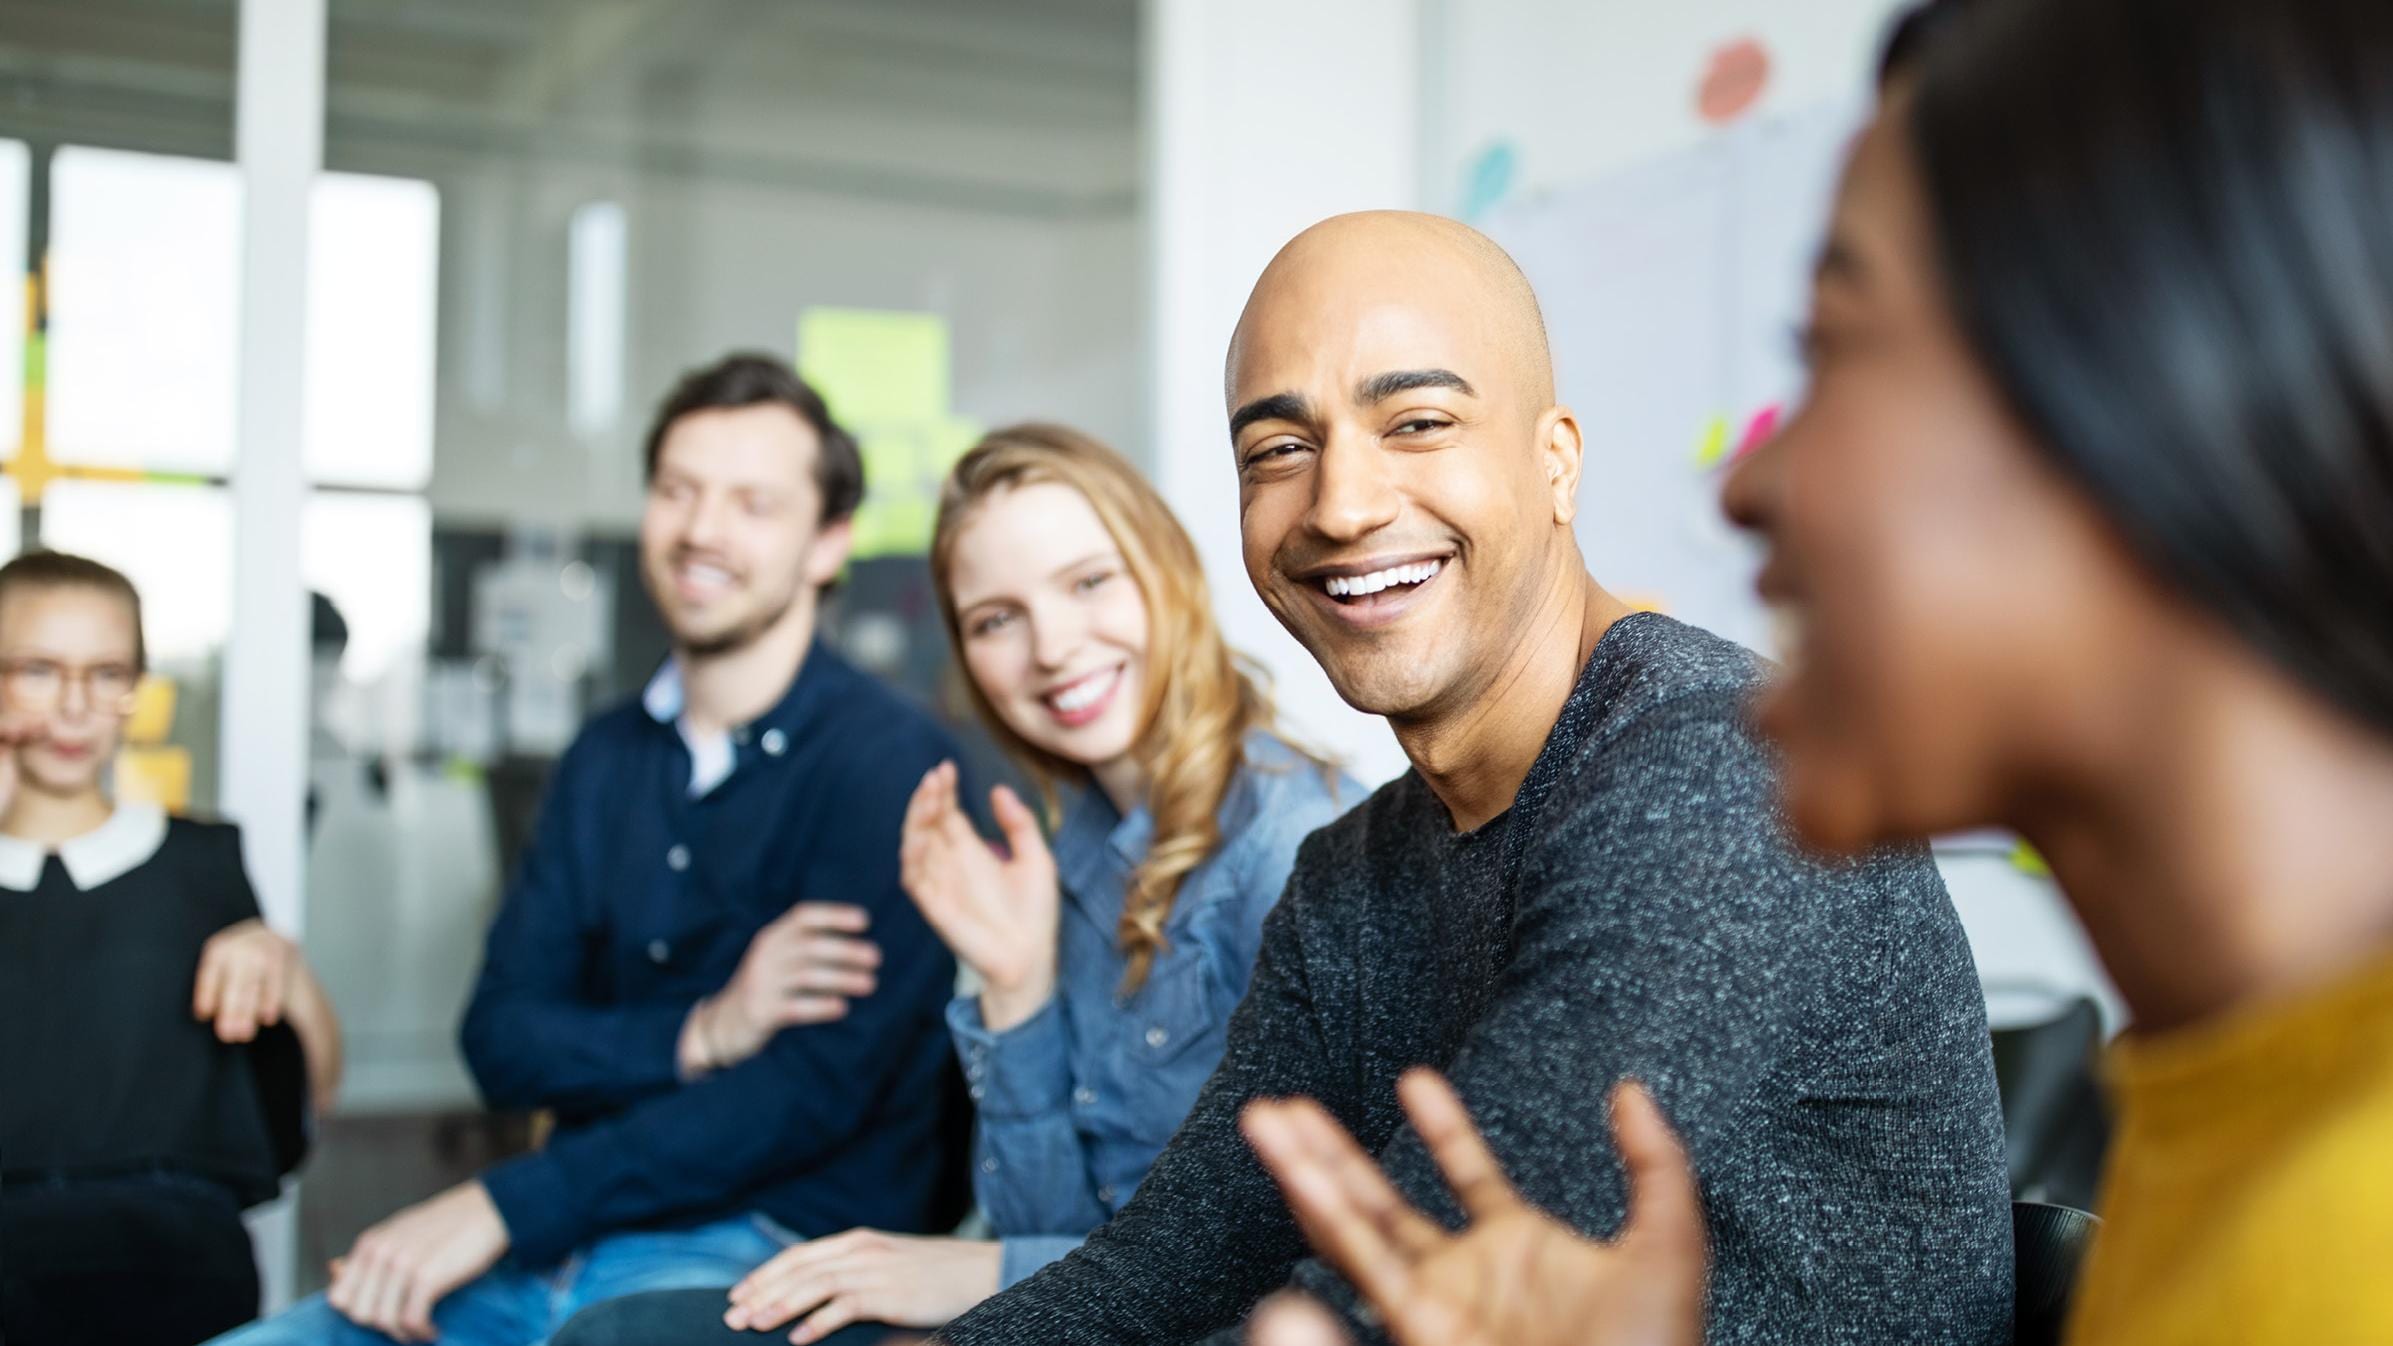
(343, 320)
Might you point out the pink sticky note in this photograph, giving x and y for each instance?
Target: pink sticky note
(1758, 431)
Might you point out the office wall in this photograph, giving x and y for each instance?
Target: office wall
(1576, 89)
(1044, 313)
(1567, 91)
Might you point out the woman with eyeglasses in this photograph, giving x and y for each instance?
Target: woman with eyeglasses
(136, 984)
(2088, 522)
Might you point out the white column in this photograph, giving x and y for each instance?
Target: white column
(1262, 116)
(278, 131)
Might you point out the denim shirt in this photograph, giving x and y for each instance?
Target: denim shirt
(1076, 1101)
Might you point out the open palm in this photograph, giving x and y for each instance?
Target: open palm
(1515, 1276)
(996, 912)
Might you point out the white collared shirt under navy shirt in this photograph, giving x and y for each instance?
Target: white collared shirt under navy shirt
(1076, 1101)
(642, 887)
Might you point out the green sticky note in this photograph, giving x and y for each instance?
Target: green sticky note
(876, 367)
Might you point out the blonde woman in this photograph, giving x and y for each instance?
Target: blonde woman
(1108, 960)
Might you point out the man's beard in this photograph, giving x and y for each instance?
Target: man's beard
(743, 635)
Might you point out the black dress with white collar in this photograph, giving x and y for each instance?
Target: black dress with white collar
(107, 1070)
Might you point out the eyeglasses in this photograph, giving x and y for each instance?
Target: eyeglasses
(41, 684)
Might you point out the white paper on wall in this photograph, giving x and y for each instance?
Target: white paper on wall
(1671, 292)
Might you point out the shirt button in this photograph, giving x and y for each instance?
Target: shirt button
(1084, 1096)
(774, 742)
(659, 951)
(1156, 1037)
(1105, 1194)
(677, 859)
(977, 1091)
(988, 1165)
(973, 1071)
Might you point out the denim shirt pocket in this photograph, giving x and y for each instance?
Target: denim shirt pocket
(1169, 1035)
(1170, 1014)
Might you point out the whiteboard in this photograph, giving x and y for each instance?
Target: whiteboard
(1671, 293)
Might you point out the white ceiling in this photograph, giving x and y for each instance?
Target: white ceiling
(1017, 106)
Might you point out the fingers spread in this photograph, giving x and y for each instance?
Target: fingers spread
(1288, 1319)
(1020, 825)
(1664, 1203)
(1445, 1128)
(1347, 1209)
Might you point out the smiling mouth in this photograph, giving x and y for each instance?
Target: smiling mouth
(1084, 698)
(697, 579)
(1378, 587)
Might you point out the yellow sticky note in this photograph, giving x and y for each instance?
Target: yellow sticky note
(153, 711)
(1712, 449)
(2025, 859)
(904, 468)
(876, 367)
(160, 776)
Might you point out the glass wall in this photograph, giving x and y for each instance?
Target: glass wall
(533, 218)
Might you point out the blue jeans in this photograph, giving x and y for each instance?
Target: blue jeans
(512, 1305)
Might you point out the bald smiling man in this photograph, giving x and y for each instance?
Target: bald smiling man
(1581, 879)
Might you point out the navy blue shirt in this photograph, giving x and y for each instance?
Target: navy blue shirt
(636, 899)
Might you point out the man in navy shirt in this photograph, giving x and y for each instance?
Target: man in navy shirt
(680, 972)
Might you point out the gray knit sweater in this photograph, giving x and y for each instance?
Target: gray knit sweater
(1815, 1032)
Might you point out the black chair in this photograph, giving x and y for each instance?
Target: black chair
(2056, 1125)
(2047, 1242)
(280, 1069)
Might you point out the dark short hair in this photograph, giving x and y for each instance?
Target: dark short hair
(63, 570)
(1908, 37)
(2167, 230)
(746, 379)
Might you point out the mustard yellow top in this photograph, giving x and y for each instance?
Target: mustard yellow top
(2249, 1199)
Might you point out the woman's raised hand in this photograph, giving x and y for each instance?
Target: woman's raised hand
(996, 911)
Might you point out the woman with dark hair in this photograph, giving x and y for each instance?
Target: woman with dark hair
(2088, 522)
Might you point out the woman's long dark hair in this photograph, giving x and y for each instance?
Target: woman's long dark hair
(2167, 228)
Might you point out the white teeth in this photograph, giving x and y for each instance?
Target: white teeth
(703, 574)
(1083, 694)
(1356, 586)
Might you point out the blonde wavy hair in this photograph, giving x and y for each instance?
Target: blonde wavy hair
(1200, 703)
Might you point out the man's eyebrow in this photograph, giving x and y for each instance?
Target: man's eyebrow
(1381, 387)
(1277, 407)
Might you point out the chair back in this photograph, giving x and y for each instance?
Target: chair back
(2048, 1242)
